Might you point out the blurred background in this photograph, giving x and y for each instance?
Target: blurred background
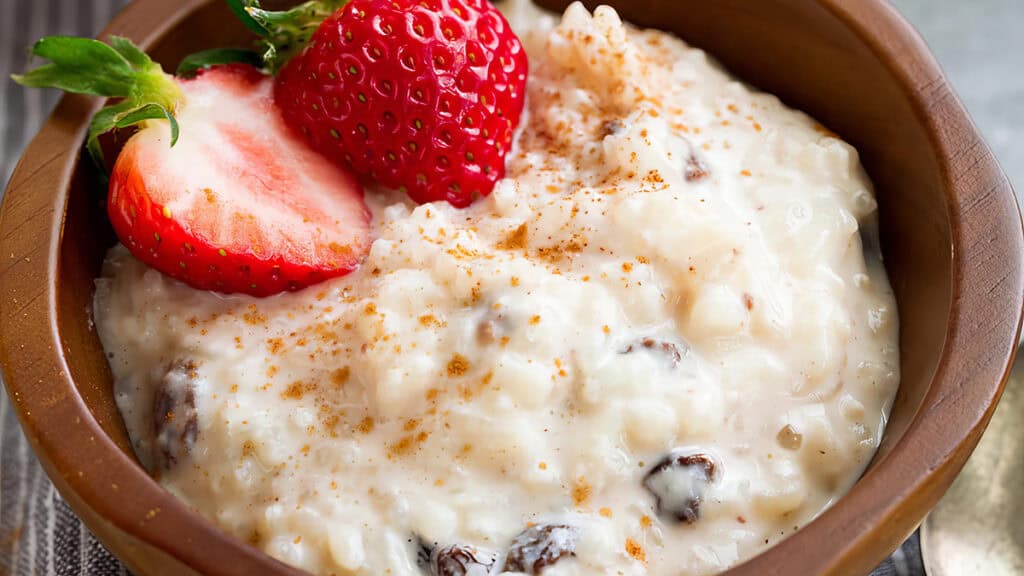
(978, 42)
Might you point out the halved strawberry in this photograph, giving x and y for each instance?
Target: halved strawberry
(239, 204)
(235, 202)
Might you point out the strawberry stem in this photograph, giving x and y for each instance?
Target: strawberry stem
(284, 33)
(118, 70)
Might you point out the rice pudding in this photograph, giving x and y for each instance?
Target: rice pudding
(665, 342)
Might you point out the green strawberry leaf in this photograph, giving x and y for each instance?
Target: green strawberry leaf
(130, 52)
(285, 33)
(103, 122)
(193, 63)
(118, 70)
(150, 112)
(80, 65)
(239, 8)
(125, 115)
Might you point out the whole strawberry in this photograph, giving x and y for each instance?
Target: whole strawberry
(420, 95)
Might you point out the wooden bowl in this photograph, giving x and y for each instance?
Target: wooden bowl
(951, 235)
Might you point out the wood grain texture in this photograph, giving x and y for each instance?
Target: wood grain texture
(951, 236)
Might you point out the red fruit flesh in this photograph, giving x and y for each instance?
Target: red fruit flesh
(239, 204)
(423, 95)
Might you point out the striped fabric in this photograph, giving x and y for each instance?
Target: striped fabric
(39, 535)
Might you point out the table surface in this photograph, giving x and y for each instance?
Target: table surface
(977, 42)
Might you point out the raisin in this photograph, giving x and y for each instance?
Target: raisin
(541, 546)
(610, 128)
(455, 560)
(678, 484)
(462, 561)
(175, 420)
(695, 169)
(670, 349)
(424, 553)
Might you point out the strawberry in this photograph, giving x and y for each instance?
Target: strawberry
(421, 95)
(213, 189)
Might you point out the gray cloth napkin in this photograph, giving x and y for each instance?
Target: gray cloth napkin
(39, 534)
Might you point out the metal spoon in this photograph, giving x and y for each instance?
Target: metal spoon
(978, 526)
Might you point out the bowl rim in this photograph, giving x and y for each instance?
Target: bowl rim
(984, 327)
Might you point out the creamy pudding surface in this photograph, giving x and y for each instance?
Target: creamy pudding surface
(665, 342)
